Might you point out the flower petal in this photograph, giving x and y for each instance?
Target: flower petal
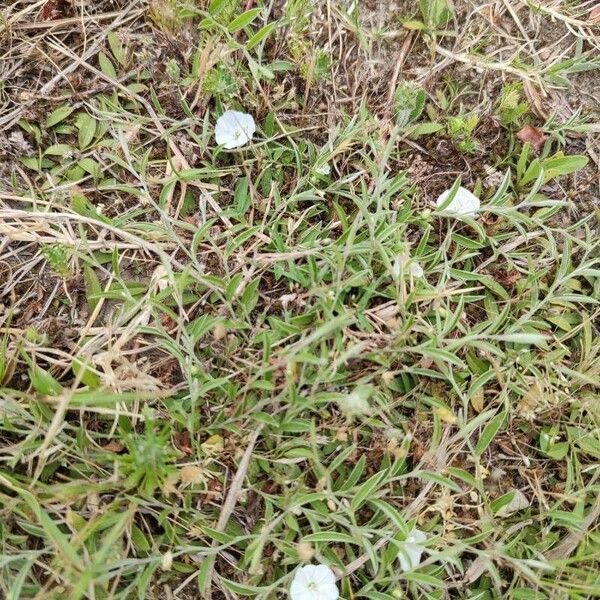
(297, 589)
(410, 556)
(412, 550)
(323, 574)
(246, 122)
(305, 574)
(327, 591)
(234, 129)
(463, 203)
(416, 270)
(417, 536)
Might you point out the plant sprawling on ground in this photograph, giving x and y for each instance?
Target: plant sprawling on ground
(359, 328)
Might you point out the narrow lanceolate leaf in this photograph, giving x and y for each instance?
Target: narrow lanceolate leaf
(368, 488)
(489, 432)
(260, 35)
(43, 382)
(92, 286)
(520, 338)
(244, 20)
(330, 537)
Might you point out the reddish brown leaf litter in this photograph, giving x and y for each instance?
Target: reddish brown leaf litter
(534, 135)
(594, 17)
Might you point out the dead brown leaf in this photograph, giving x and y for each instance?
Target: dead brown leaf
(52, 10)
(114, 446)
(533, 135)
(183, 442)
(594, 16)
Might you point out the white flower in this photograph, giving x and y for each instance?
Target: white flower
(357, 401)
(463, 203)
(234, 129)
(411, 550)
(416, 270)
(314, 582)
(323, 169)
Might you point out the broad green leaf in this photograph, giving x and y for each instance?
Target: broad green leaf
(106, 65)
(216, 6)
(559, 165)
(424, 129)
(117, 49)
(58, 115)
(86, 125)
(59, 150)
(85, 374)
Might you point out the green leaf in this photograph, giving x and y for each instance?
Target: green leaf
(261, 34)
(216, 6)
(106, 65)
(59, 150)
(244, 20)
(559, 165)
(367, 489)
(60, 114)
(86, 125)
(92, 287)
(464, 476)
(488, 434)
(89, 165)
(502, 501)
(330, 537)
(426, 128)
(82, 206)
(529, 339)
(260, 71)
(413, 25)
(43, 382)
(437, 478)
(117, 49)
(31, 162)
(85, 374)
(140, 543)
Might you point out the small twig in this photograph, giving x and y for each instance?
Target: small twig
(55, 23)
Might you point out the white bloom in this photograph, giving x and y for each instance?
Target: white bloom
(323, 169)
(314, 582)
(234, 129)
(412, 550)
(416, 270)
(463, 203)
(357, 401)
